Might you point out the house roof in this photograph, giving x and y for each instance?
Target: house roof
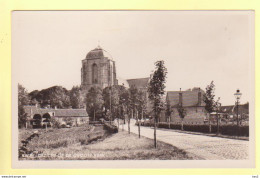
(36, 110)
(189, 97)
(57, 112)
(227, 109)
(138, 82)
(243, 108)
(71, 113)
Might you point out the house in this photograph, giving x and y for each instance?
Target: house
(192, 101)
(38, 117)
(230, 113)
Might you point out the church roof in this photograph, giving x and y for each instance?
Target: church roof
(123, 82)
(98, 53)
(139, 82)
(189, 97)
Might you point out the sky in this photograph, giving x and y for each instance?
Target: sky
(197, 46)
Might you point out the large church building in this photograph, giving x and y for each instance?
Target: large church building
(98, 70)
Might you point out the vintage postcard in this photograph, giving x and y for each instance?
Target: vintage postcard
(133, 89)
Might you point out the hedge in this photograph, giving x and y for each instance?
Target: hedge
(231, 130)
(110, 128)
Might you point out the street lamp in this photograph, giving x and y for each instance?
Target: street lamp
(237, 96)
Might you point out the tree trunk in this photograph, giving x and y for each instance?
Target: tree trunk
(182, 124)
(209, 124)
(94, 115)
(139, 129)
(129, 125)
(118, 123)
(169, 120)
(155, 144)
(155, 114)
(217, 124)
(138, 123)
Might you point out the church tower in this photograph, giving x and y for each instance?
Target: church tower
(98, 70)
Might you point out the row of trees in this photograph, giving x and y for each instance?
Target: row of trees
(58, 96)
(115, 102)
(109, 103)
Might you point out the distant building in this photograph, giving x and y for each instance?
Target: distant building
(139, 83)
(37, 117)
(192, 101)
(230, 112)
(142, 84)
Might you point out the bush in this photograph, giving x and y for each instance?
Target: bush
(231, 130)
(110, 128)
(55, 123)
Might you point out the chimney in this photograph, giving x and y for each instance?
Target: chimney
(199, 97)
(180, 98)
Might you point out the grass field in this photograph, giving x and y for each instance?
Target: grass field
(81, 143)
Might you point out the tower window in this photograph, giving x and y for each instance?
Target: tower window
(94, 73)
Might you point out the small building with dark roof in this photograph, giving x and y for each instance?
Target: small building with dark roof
(38, 117)
(192, 101)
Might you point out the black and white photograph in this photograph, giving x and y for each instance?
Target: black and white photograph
(147, 89)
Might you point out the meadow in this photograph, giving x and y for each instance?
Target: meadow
(95, 143)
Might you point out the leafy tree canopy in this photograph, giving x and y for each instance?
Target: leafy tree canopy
(156, 87)
(95, 102)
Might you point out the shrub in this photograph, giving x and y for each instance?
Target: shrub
(231, 130)
(55, 123)
(110, 128)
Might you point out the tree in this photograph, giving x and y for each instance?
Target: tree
(182, 113)
(217, 109)
(76, 98)
(111, 101)
(169, 111)
(55, 96)
(209, 101)
(133, 100)
(95, 103)
(23, 99)
(123, 103)
(141, 107)
(156, 90)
